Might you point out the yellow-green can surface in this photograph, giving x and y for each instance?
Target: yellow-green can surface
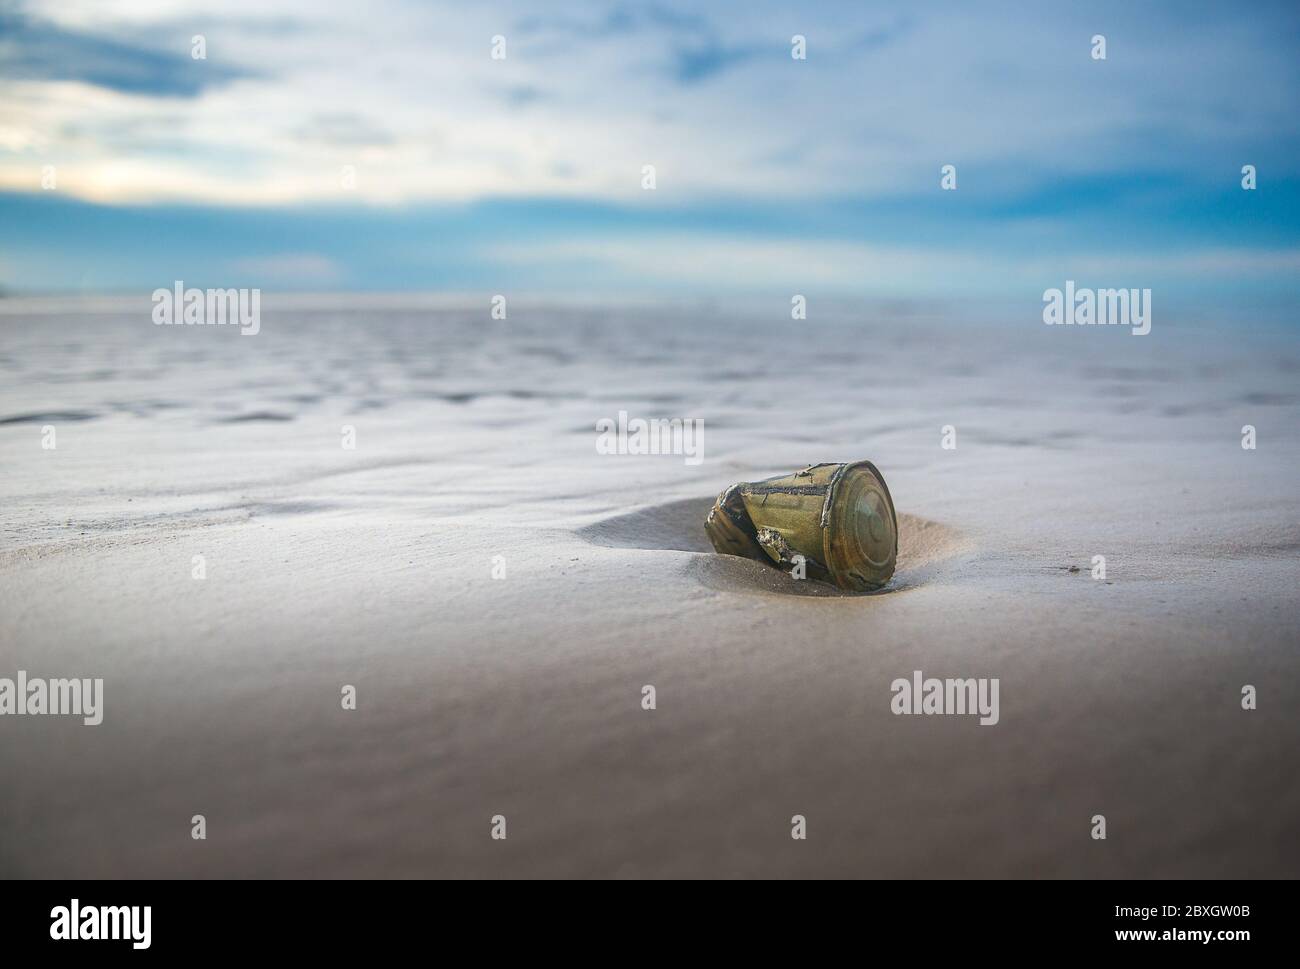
(839, 518)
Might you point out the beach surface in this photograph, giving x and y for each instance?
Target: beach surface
(499, 594)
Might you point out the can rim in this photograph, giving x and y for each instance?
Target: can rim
(833, 565)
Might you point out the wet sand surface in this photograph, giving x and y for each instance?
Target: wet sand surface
(521, 696)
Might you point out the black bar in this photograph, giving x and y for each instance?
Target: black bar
(979, 919)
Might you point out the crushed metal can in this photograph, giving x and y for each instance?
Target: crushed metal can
(837, 519)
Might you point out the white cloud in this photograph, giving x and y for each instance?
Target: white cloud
(721, 261)
(886, 96)
(291, 268)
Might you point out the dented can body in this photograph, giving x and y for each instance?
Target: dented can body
(837, 519)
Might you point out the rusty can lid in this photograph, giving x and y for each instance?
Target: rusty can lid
(860, 528)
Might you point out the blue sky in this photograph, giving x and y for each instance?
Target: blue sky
(772, 174)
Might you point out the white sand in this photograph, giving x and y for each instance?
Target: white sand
(521, 696)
